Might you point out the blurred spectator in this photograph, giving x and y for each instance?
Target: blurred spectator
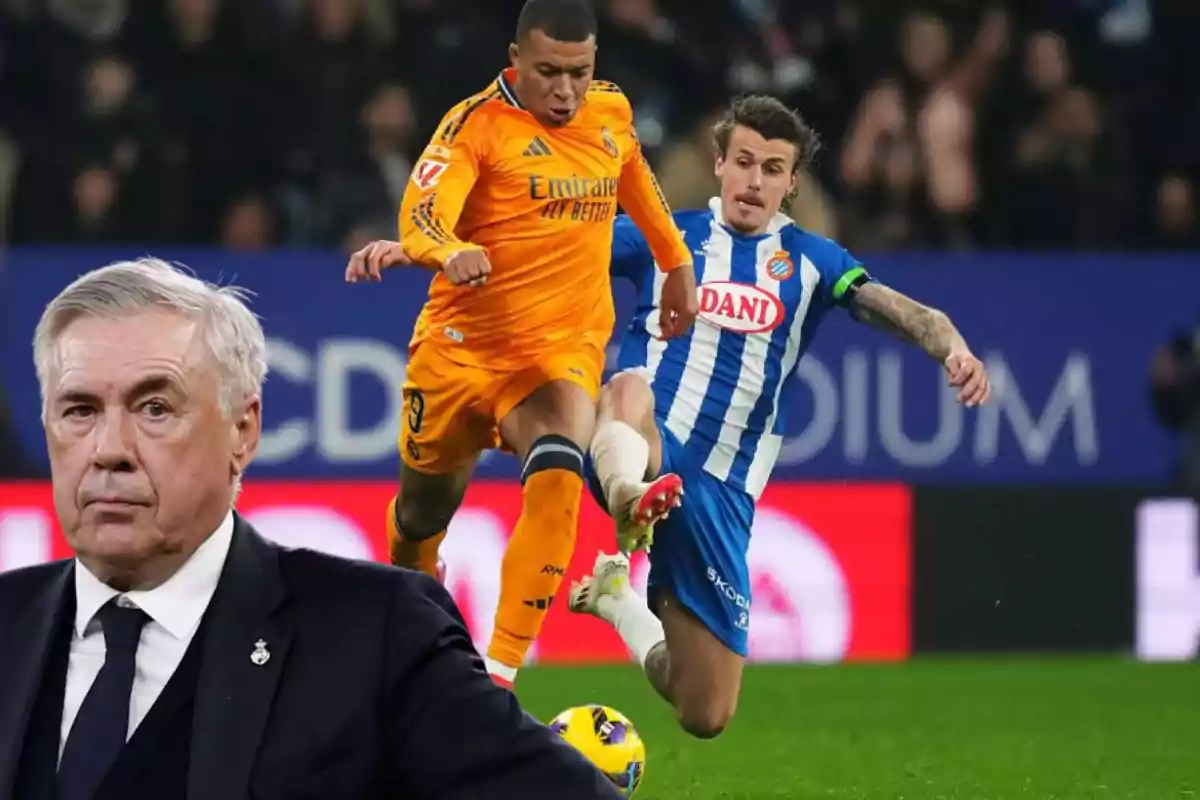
(193, 59)
(909, 160)
(9, 155)
(96, 213)
(812, 208)
(92, 177)
(445, 51)
(358, 201)
(651, 46)
(9, 164)
(1176, 227)
(1175, 391)
(1054, 175)
(879, 215)
(332, 59)
(685, 170)
(250, 224)
(1047, 68)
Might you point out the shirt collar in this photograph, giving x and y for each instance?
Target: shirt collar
(179, 603)
(778, 222)
(505, 82)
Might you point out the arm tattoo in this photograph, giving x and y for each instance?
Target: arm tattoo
(906, 319)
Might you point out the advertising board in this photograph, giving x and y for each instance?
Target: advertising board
(829, 564)
(1069, 367)
(1168, 579)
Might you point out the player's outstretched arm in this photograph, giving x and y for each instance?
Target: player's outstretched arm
(436, 193)
(642, 200)
(640, 196)
(892, 312)
(928, 328)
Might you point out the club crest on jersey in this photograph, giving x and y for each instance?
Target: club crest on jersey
(739, 307)
(428, 172)
(610, 144)
(780, 266)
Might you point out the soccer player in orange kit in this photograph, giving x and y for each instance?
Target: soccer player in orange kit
(512, 202)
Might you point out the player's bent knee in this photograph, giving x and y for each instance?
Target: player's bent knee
(552, 452)
(629, 391)
(704, 717)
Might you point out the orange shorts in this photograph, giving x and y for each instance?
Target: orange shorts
(452, 411)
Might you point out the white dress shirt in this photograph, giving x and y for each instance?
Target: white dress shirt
(174, 608)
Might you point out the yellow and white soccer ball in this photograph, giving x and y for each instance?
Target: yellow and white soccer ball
(608, 739)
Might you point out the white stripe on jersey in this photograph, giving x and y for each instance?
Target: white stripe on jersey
(770, 444)
(656, 346)
(753, 372)
(702, 355)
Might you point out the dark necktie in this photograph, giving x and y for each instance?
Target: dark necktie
(100, 728)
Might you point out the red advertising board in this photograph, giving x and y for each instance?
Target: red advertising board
(829, 563)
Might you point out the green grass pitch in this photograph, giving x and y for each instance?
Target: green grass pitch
(961, 729)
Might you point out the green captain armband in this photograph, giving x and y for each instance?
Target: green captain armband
(852, 278)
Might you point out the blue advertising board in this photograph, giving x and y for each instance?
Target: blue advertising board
(1067, 338)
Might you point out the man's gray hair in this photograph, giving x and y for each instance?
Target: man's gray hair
(228, 328)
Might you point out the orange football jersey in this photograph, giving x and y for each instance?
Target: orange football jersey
(540, 201)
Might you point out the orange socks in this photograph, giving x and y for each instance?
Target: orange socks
(536, 558)
(420, 555)
(534, 563)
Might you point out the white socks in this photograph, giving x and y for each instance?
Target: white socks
(635, 622)
(620, 456)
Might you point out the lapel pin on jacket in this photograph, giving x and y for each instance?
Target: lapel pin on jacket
(261, 654)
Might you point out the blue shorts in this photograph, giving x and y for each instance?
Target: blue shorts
(699, 552)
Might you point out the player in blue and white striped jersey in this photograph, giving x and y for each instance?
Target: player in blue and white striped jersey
(703, 413)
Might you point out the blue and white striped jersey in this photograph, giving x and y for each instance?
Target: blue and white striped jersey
(720, 389)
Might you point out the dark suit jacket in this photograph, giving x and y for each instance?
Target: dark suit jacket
(372, 689)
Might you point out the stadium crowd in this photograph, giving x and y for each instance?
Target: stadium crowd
(267, 122)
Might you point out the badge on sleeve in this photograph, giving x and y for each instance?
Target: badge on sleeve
(428, 172)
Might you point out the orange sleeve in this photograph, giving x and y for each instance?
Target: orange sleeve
(642, 199)
(438, 188)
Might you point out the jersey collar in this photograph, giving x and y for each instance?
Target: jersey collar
(505, 82)
(778, 222)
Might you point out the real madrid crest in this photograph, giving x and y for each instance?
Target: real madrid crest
(260, 655)
(780, 266)
(610, 144)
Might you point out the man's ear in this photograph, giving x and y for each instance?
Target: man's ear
(246, 433)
